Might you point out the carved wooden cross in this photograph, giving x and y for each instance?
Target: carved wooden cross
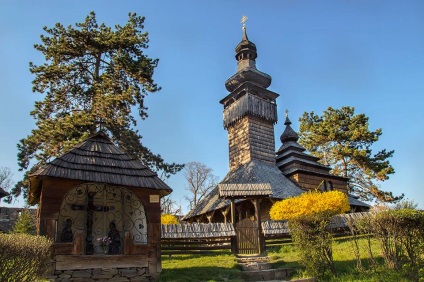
(90, 209)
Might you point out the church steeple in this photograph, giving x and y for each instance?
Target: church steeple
(250, 111)
(289, 134)
(246, 54)
(246, 51)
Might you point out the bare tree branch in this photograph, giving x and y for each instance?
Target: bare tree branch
(201, 181)
(6, 178)
(169, 206)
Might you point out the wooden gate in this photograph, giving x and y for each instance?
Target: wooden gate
(248, 242)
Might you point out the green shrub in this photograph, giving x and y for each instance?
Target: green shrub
(401, 235)
(23, 257)
(308, 217)
(360, 227)
(313, 240)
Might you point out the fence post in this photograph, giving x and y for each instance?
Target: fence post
(234, 248)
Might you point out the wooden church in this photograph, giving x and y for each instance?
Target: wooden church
(258, 175)
(102, 209)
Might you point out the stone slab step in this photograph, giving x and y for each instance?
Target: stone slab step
(250, 266)
(267, 275)
(252, 259)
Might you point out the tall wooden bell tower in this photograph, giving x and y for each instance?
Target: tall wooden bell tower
(250, 111)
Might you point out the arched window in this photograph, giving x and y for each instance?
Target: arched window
(104, 214)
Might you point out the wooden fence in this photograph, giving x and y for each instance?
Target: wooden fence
(197, 237)
(210, 237)
(195, 246)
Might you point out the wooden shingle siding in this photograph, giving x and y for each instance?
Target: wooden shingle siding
(249, 139)
(250, 105)
(309, 181)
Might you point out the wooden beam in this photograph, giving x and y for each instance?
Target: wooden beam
(78, 243)
(210, 216)
(233, 212)
(225, 212)
(70, 262)
(63, 248)
(257, 204)
(128, 243)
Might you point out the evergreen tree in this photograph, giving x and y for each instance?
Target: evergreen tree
(342, 139)
(93, 78)
(25, 224)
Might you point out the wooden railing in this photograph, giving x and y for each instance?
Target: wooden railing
(195, 246)
(201, 238)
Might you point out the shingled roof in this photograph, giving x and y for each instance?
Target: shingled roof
(244, 190)
(98, 159)
(254, 172)
(3, 193)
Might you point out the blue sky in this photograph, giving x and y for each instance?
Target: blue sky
(364, 53)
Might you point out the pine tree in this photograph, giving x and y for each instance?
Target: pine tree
(25, 224)
(342, 139)
(93, 78)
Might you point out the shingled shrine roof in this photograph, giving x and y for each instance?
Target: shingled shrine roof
(3, 193)
(98, 159)
(353, 201)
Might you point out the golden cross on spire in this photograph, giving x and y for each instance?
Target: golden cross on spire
(243, 21)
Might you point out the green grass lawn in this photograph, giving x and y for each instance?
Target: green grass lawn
(221, 266)
(218, 266)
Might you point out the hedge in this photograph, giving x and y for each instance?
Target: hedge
(24, 257)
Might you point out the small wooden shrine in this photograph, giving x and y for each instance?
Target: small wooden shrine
(102, 209)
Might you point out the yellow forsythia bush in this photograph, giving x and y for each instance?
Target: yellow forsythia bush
(310, 203)
(168, 219)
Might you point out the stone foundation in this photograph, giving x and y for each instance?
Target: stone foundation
(133, 274)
